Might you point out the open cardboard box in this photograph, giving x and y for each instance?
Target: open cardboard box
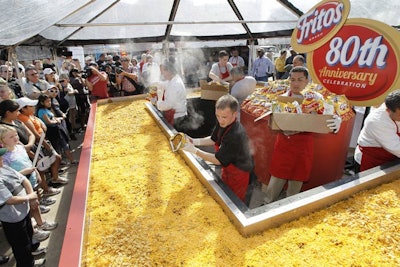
(212, 91)
(315, 123)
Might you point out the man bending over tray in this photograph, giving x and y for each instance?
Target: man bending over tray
(378, 142)
(231, 144)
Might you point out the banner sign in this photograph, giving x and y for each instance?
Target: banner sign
(358, 58)
(319, 25)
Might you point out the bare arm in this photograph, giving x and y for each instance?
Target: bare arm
(208, 157)
(30, 194)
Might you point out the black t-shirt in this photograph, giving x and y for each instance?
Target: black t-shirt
(234, 146)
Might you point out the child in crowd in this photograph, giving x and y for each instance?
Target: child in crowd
(16, 197)
(17, 158)
(55, 133)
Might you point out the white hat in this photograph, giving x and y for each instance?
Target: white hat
(88, 58)
(24, 101)
(48, 71)
(50, 86)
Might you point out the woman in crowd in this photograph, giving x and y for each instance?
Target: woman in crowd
(26, 115)
(55, 132)
(127, 78)
(82, 99)
(5, 91)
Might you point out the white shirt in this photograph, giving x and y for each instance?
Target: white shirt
(379, 131)
(262, 66)
(217, 70)
(174, 96)
(237, 61)
(244, 87)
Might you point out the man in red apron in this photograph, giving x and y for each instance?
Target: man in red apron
(231, 145)
(379, 139)
(293, 151)
(236, 60)
(220, 71)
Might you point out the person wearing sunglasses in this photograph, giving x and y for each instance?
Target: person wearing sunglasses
(33, 85)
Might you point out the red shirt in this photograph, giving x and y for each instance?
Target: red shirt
(100, 89)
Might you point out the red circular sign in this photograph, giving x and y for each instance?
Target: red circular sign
(360, 62)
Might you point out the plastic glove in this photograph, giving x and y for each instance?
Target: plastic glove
(189, 147)
(160, 93)
(334, 123)
(194, 141)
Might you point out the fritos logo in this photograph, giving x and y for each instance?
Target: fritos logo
(361, 62)
(319, 25)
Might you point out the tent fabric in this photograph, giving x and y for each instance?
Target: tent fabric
(85, 22)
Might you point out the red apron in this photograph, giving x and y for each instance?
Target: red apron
(375, 156)
(225, 74)
(293, 156)
(168, 114)
(236, 179)
(234, 64)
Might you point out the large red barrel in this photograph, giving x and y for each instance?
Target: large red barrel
(330, 150)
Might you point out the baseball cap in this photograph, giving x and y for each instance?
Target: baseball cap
(51, 86)
(88, 58)
(25, 101)
(3, 151)
(48, 71)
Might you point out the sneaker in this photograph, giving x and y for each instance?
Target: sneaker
(47, 201)
(74, 162)
(39, 251)
(40, 235)
(39, 263)
(59, 181)
(51, 192)
(47, 226)
(44, 209)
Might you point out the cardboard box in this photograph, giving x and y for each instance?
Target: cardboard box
(315, 123)
(212, 91)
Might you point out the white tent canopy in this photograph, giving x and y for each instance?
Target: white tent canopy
(84, 22)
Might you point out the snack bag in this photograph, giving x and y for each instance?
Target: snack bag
(152, 94)
(312, 102)
(342, 106)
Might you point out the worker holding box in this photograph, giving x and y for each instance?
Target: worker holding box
(293, 151)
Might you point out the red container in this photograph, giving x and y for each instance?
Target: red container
(330, 150)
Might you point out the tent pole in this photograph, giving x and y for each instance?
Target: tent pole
(12, 56)
(251, 55)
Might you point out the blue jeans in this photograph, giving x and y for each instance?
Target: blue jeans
(262, 79)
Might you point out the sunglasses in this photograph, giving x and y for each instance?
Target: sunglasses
(52, 91)
(61, 81)
(33, 74)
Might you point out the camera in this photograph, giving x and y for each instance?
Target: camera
(86, 73)
(119, 70)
